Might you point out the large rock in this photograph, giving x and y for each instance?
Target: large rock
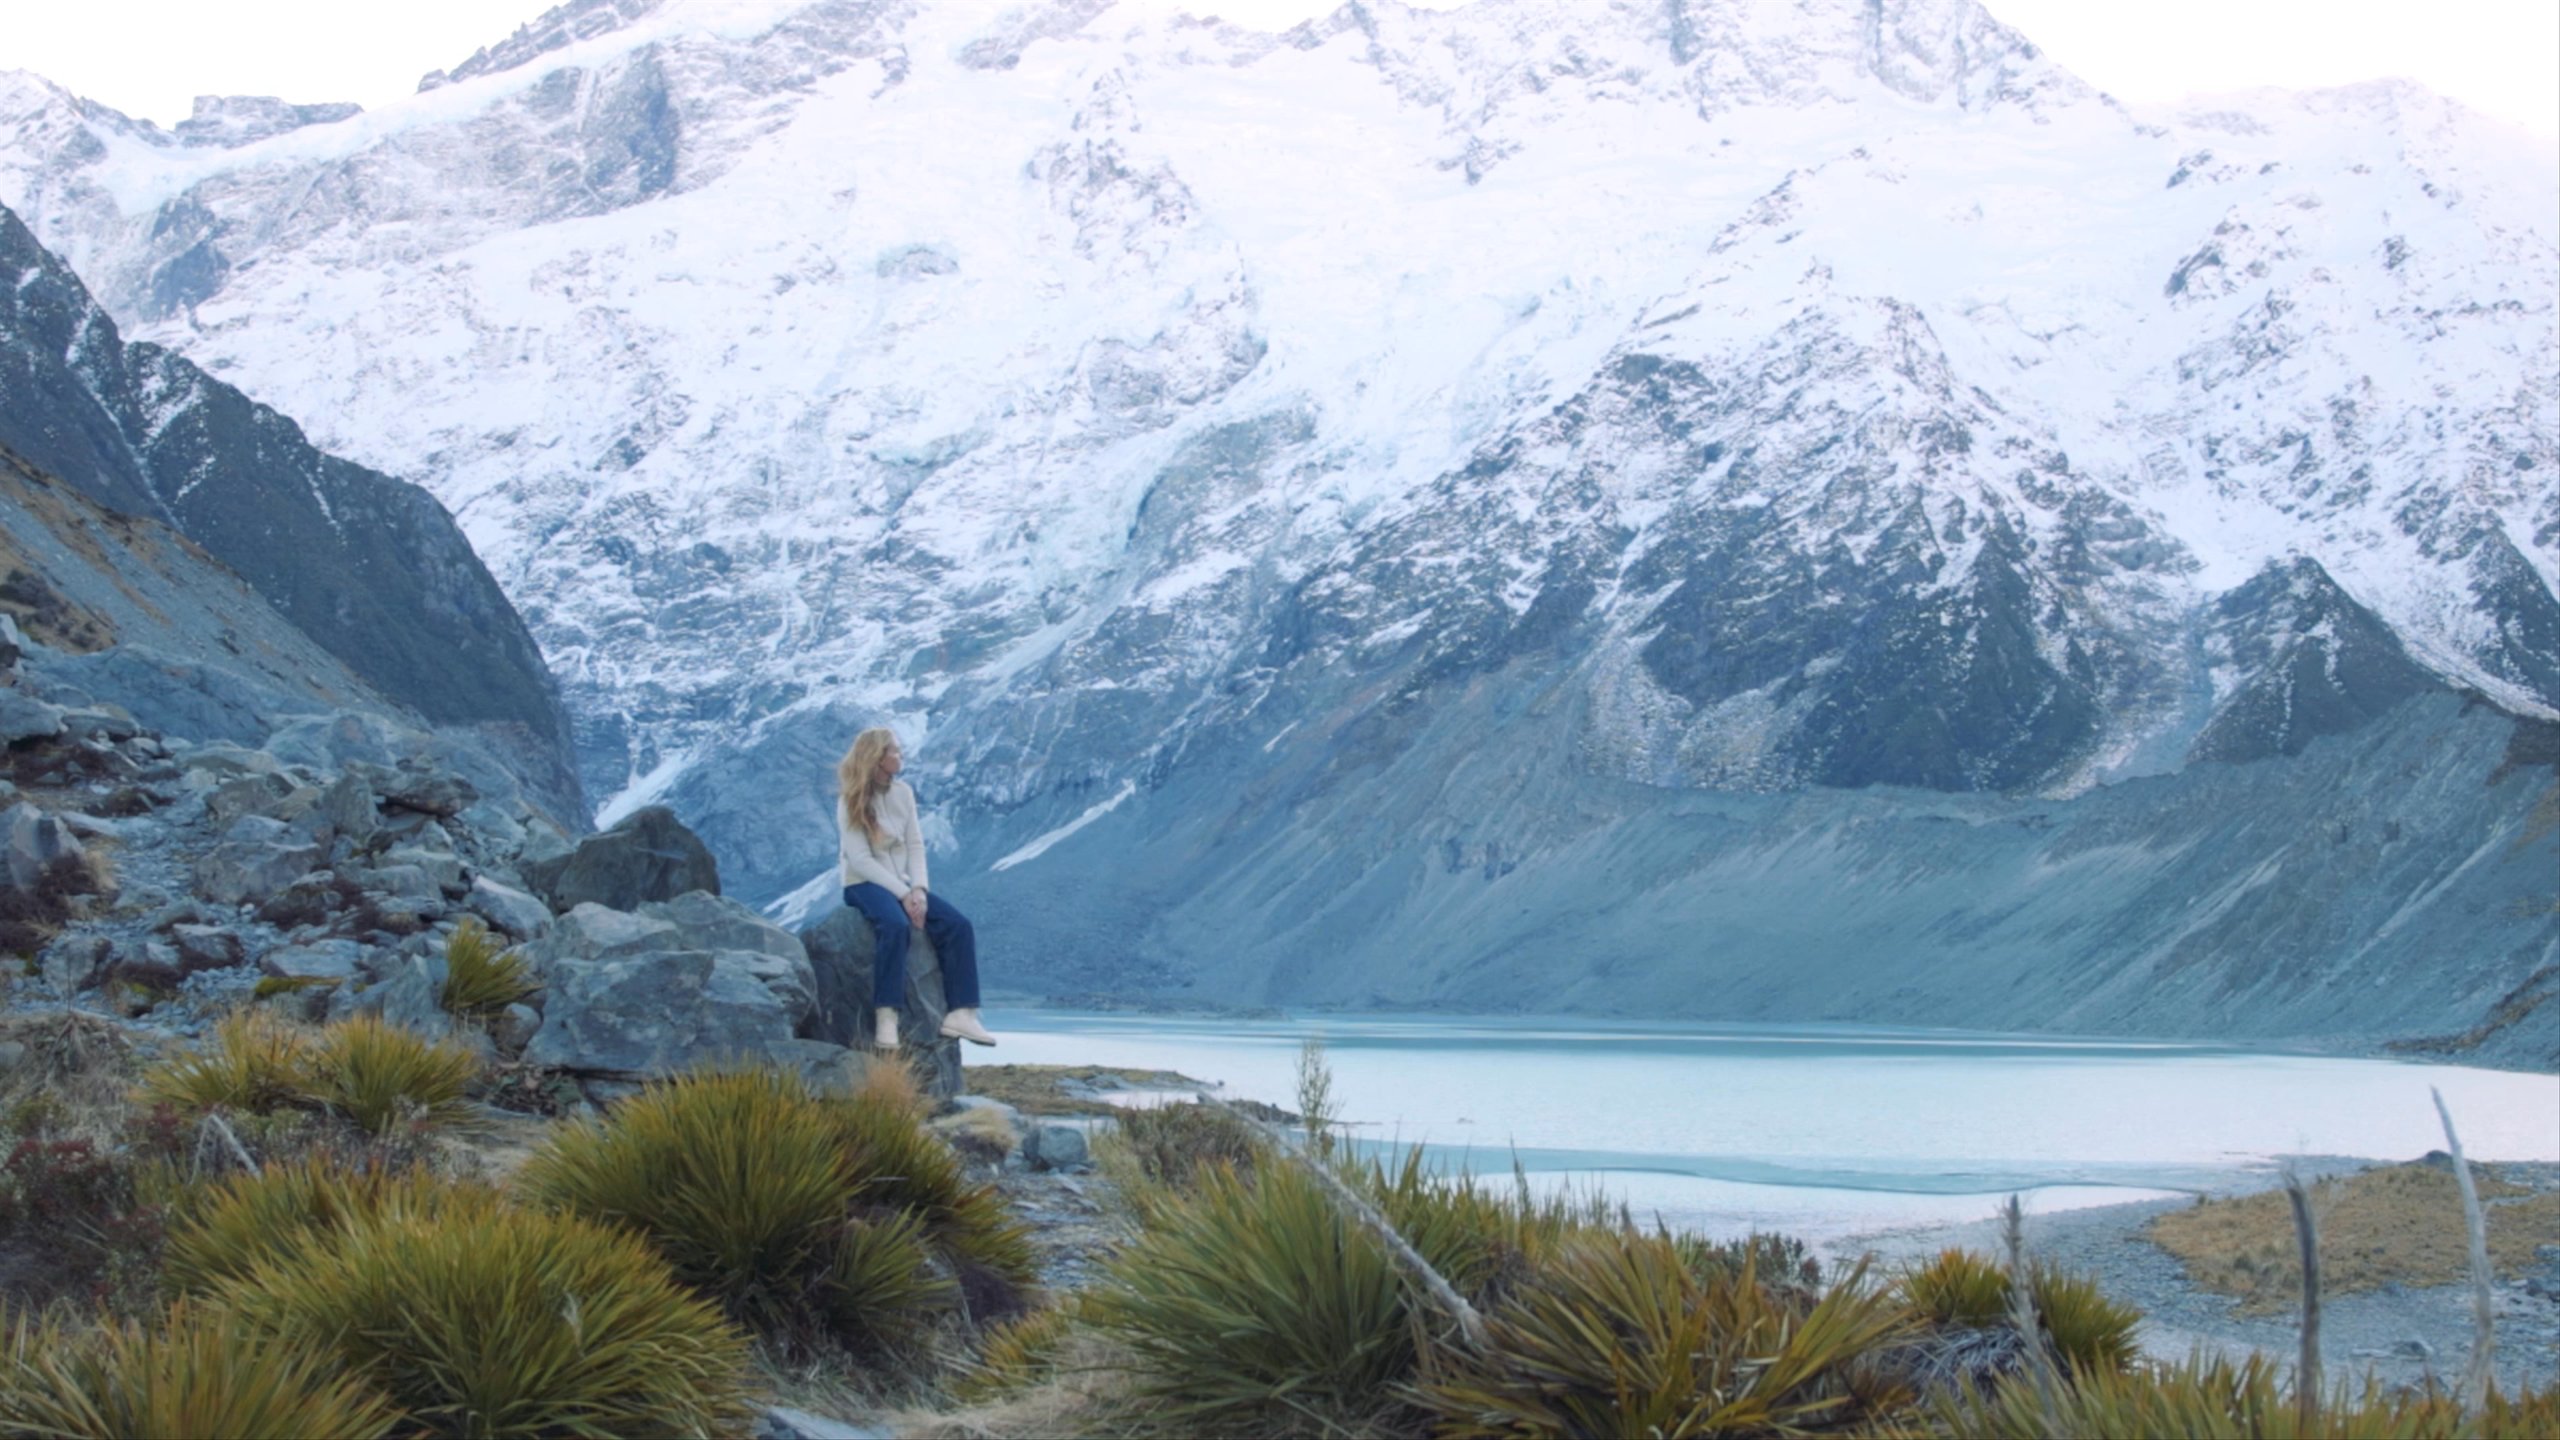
(508, 910)
(36, 842)
(591, 934)
(840, 949)
(23, 717)
(322, 960)
(710, 922)
(649, 855)
(256, 858)
(657, 1014)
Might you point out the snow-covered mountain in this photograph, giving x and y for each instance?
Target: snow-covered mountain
(1161, 422)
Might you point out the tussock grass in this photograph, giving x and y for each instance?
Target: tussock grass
(227, 1229)
(254, 1062)
(75, 1078)
(381, 1076)
(1156, 1153)
(1253, 1301)
(2219, 1399)
(2401, 1224)
(483, 1319)
(1960, 1290)
(812, 1219)
(1614, 1335)
(738, 1179)
(481, 978)
(197, 1374)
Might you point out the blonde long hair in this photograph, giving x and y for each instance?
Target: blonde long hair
(858, 783)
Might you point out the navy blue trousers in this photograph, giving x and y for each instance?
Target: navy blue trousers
(954, 939)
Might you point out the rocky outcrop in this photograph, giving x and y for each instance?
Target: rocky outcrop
(647, 856)
(840, 950)
(370, 568)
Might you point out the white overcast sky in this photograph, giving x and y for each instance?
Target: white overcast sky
(151, 57)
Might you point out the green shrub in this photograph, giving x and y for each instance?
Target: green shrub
(1254, 1295)
(478, 1319)
(738, 1179)
(1168, 1145)
(2220, 1399)
(227, 1229)
(881, 1283)
(803, 1216)
(1615, 1335)
(255, 1062)
(197, 1374)
(1016, 1355)
(479, 978)
(1961, 1289)
(902, 1167)
(380, 1076)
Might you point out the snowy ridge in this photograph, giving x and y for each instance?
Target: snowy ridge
(1084, 391)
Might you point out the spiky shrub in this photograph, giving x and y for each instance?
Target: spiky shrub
(481, 1319)
(1151, 1155)
(802, 1216)
(1016, 1355)
(2222, 1399)
(882, 1280)
(227, 1229)
(904, 1168)
(196, 1374)
(480, 978)
(381, 1076)
(1255, 1296)
(1616, 1336)
(254, 1063)
(1960, 1289)
(738, 1179)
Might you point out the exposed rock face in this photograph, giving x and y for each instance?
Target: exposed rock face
(698, 980)
(840, 949)
(371, 568)
(648, 855)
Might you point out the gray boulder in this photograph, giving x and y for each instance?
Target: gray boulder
(402, 882)
(507, 909)
(322, 960)
(256, 858)
(259, 794)
(416, 788)
(839, 949)
(73, 963)
(657, 1014)
(206, 766)
(24, 717)
(711, 922)
(205, 947)
(771, 956)
(36, 841)
(347, 808)
(648, 855)
(1056, 1147)
(443, 866)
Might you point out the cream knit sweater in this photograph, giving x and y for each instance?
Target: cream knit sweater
(897, 865)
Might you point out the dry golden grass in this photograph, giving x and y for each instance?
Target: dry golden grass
(980, 1134)
(1046, 1089)
(2401, 1224)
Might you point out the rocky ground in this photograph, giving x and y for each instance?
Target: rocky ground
(2403, 1335)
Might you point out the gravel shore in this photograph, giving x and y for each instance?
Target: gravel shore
(2403, 1336)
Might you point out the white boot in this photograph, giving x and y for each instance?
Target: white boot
(884, 1033)
(963, 1025)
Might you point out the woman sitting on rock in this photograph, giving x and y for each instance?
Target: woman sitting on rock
(881, 843)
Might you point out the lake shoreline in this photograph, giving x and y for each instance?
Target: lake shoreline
(2403, 1336)
(2412, 1050)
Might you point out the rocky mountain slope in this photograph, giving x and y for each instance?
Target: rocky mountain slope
(371, 569)
(1356, 515)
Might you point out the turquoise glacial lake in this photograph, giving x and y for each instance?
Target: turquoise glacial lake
(1821, 1131)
